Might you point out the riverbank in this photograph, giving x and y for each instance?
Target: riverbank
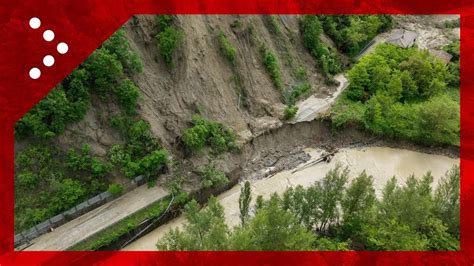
(381, 162)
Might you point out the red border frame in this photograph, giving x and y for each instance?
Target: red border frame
(85, 24)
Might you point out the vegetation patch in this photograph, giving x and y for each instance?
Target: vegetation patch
(331, 214)
(169, 38)
(49, 181)
(327, 58)
(227, 49)
(402, 93)
(352, 32)
(205, 132)
(297, 92)
(270, 62)
(212, 178)
(102, 74)
(142, 153)
(290, 112)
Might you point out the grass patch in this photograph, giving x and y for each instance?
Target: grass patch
(270, 62)
(227, 49)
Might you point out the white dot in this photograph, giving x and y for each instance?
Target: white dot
(35, 73)
(48, 60)
(48, 35)
(35, 23)
(62, 48)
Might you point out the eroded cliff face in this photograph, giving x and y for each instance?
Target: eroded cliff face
(203, 81)
(242, 95)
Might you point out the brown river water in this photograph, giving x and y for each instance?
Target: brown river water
(380, 162)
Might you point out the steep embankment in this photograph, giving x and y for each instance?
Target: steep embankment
(240, 95)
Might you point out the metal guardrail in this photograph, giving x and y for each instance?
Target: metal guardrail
(78, 210)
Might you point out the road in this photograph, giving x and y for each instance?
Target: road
(100, 218)
(310, 108)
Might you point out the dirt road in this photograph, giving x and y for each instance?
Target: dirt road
(310, 108)
(92, 222)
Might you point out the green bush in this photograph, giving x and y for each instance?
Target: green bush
(300, 73)
(127, 93)
(211, 177)
(226, 47)
(27, 179)
(290, 112)
(270, 62)
(205, 132)
(168, 41)
(141, 154)
(164, 21)
(115, 189)
(118, 44)
(48, 118)
(99, 169)
(79, 161)
(297, 92)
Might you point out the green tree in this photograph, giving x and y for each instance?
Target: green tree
(330, 188)
(392, 235)
(358, 203)
(244, 202)
(447, 200)
(204, 230)
(105, 70)
(127, 93)
(272, 228)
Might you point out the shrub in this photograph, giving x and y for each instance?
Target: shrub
(297, 92)
(48, 118)
(127, 94)
(211, 177)
(226, 47)
(79, 161)
(205, 132)
(27, 179)
(118, 44)
(105, 70)
(300, 73)
(100, 169)
(164, 21)
(270, 62)
(168, 41)
(115, 189)
(290, 112)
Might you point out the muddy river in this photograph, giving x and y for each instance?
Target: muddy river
(380, 162)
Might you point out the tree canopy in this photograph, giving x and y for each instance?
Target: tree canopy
(332, 214)
(402, 93)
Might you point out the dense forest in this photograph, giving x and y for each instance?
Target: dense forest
(403, 93)
(332, 214)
